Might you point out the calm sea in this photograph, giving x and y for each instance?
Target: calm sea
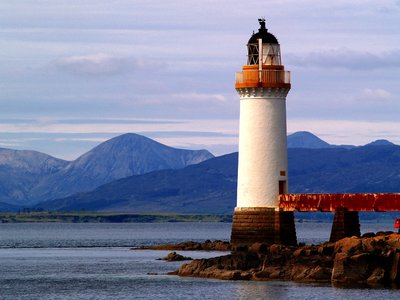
(93, 261)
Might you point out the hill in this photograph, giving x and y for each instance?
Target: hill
(20, 171)
(32, 177)
(207, 187)
(210, 187)
(305, 139)
(367, 169)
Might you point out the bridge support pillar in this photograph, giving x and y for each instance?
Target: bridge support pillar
(262, 225)
(345, 224)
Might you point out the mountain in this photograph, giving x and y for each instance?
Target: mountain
(365, 169)
(9, 207)
(122, 156)
(210, 186)
(29, 177)
(380, 143)
(20, 171)
(305, 139)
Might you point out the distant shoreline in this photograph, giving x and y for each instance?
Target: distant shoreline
(100, 217)
(114, 217)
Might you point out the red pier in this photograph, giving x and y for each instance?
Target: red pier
(346, 207)
(332, 202)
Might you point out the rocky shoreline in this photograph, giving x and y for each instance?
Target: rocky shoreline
(191, 246)
(372, 260)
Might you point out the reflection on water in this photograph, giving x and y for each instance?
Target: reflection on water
(251, 290)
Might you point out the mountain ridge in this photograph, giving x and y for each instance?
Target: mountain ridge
(210, 186)
(305, 139)
(29, 177)
(122, 156)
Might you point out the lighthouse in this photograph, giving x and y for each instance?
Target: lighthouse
(262, 85)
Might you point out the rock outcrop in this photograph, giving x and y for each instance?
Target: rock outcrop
(173, 256)
(371, 261)
(190, 245)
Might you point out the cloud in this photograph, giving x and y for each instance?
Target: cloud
(376, 94)
(199, 97)
(116, 121)
(70, 139)
(185, 134)
(103, 64)
(77, 139)
(344, 58)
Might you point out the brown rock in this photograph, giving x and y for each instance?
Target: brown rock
(298, 272)
(173, 256)
(306, 273)
(394, 241)
(269, 273)
(298, 252)
(310, 251)
(368, 235)
(275, 248)
(395, 269)
(320, 274)
(190, 245)
(326, 249)
(350, 269)
(377, 277)
(258, 248)
(369, 260)
(379, 233)
(220, 246)
(373, 244)
(348, 245)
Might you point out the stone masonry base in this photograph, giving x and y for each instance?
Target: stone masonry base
(263, 225)
(345, 224)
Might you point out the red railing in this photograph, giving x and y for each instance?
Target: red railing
(330, 202)
(264, 78)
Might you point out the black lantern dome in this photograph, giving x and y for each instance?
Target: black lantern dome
(263, 34)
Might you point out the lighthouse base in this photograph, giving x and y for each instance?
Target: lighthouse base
(262, 225)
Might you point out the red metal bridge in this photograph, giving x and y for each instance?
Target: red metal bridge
(333, 202)
(346, 207)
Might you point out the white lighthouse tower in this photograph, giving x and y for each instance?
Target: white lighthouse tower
(262, 85)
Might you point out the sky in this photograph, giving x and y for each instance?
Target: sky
(76, 73)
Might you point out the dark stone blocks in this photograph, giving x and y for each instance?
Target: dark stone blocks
(262, 225)
(345, 224)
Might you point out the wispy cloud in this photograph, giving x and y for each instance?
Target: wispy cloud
(199, 97)
(115, 121)
(103, 64)
(102, 58)
(353, 132)
(61, 136)
(344, 58)
(376, 94)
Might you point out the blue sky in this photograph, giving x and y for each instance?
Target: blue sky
(76, 73)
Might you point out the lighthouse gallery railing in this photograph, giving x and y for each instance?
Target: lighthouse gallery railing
(263, 78)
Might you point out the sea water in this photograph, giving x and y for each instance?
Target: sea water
(93, 261)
